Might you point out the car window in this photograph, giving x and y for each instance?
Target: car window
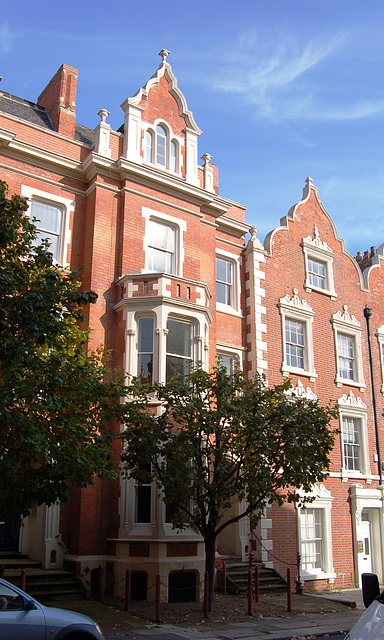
(10, 600)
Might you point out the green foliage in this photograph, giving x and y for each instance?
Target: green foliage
(218, 439)
(55, 398)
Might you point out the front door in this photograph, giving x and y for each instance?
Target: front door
(8, 540)
(365, 551)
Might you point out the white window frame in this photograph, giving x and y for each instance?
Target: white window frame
(351, 406)
(315, 249)
(234, 307)
(136, 488)
(380, 340)
(179, 227)
(170, 138)
(67, 207)
(190, 358)
(228, 351)
(299, 310)
(322, 501)
(346, 324)
(138, 318)
(161, 311)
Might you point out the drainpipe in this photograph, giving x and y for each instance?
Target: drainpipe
(367, 315)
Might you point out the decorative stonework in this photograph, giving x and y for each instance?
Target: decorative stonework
(351, 400)
(318, 491)
(295, 302)
(316, 243)
(345, 317)
(301, 392)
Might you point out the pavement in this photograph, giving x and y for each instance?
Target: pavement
(314, 615)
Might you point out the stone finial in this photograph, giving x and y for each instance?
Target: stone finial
(164, 53)
(103, 113)
(253, 231)
(206, 157)
(309, 181)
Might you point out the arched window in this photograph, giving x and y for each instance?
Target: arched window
(148, 153)
(160, 149)
(173, 158)
(161, 146)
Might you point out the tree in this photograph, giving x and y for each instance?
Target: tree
(56, 398)
(218, 439)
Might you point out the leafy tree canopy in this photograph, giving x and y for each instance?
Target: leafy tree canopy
(55, 398)
(218, 439)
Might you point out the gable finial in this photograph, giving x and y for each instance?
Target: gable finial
(164, 53)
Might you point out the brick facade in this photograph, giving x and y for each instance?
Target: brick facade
(148, 222)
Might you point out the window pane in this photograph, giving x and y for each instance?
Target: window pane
(173, 163)
(148, 146)
(161, 247)
(346, 356)
(179, 349)
(145, 348)
(146, 335)
(48, 220)
(177, 368)
(161, 143)
(317, 272)
(224, 286)
(294, 343)
(143, 503)
(179, 338)
(311, 539)
(352, 443)
(48, 217)
(228, 362)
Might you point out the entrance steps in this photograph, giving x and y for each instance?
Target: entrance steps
(46, 585)
(237, 577)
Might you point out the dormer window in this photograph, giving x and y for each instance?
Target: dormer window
(318, 258)
(161, 148)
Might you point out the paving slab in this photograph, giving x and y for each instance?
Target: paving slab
(316, 615)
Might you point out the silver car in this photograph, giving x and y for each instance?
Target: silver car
(370, 626)
(24, 618)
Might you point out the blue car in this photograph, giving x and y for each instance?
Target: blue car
(24, 618)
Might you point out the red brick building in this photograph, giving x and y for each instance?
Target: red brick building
(147, 221)
(310, 326)
(177, 284)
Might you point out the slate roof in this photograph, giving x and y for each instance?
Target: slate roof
(25, 110)
(37, 115)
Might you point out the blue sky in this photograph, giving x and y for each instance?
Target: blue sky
(282, 89)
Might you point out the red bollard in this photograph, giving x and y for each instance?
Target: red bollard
(206, 594)
(127, 589)
(22, 583)
(224, 578)
(157, 598)
(250, 592)
(2, 571)
(289, 595)
(257, 583)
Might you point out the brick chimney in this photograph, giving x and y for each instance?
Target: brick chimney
(59, 98)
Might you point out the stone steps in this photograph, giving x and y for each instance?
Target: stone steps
(237, 577)
(46, 585)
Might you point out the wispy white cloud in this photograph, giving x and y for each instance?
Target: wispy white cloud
(283, 79)
(5, 38)
(8, 36)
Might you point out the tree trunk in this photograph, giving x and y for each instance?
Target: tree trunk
(210, 549)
